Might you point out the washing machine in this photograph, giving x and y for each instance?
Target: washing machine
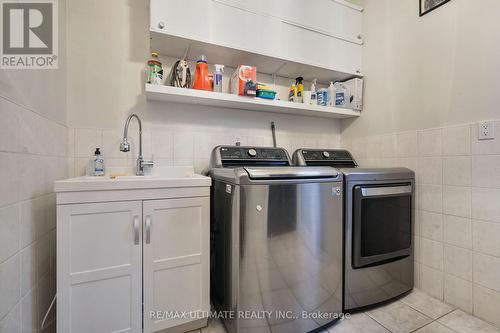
(276, 234)
(379, 210)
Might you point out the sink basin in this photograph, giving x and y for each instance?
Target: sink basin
(161, 177)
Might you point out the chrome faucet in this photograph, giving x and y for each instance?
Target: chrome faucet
(125, 146)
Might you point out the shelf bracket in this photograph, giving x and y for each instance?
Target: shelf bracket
(275, 73)
(186, 52)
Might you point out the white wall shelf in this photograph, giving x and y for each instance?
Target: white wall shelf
(176, 46)
(224, 100)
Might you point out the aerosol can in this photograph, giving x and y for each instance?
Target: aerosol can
(219, 69)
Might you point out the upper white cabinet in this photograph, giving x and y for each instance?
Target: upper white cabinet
(336, 18)
(283, 37)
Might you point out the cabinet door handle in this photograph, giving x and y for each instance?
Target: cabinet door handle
(148, 229)
(136, 230)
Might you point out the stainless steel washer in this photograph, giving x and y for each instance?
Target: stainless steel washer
(276, 241)
(379, 219)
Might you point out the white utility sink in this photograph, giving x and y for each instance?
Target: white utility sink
(120, 179)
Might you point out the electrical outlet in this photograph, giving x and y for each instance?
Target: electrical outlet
(486, 130)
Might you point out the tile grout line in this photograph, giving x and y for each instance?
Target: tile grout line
(375, 320)
(425, 315)
(472, 223)
(26, 108)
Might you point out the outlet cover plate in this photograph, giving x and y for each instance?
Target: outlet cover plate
(486, 130)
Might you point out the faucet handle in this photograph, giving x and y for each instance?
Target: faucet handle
(142, 166)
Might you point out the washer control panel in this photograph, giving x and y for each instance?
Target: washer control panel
(242, 153)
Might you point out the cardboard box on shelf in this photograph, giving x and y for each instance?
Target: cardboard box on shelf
(244, 81)
(355, 91)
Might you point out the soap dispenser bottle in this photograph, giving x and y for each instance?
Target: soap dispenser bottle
(331, 97)
(98, 163)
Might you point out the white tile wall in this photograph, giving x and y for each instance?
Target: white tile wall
(457, 232)
(172, 145)
(458, 292)
(485, 304)
(431, 225)
(33, 154)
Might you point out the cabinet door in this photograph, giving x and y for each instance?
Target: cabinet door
(99, 259)
(208, 21)
(322, 36)
(330, 16)
(176, 260)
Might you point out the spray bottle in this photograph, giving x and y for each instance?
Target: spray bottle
(314, 96)
(331, 97)
(219, 69)
(300, 89)
(292, 93)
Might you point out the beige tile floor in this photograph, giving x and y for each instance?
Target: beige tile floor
(417, 312)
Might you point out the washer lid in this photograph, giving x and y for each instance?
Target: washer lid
(291, 172)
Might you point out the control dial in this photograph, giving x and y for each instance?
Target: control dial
(252, 152)
(325, 154)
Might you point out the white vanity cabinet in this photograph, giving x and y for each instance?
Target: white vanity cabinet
(99, 263)
(175, 259)
(130, 248)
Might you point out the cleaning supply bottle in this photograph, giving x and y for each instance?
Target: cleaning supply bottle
(219, 69)
(341, 96)
(201, 76)
(155, 70)
(300, 89)
(331, 97)
(314, 96)
(292, 94)
(98, 163)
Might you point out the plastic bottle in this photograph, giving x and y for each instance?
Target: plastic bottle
(292, 94)
(300, 89)
(331, 97)
(155, 70)
(219, 69)
(322, 96)
(98, 163)
(341, 99)
(314, 96)
(201, 77)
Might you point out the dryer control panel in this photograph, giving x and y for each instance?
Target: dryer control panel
(324, 157)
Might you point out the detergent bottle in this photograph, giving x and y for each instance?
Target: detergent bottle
(201, 77)
(300, 89)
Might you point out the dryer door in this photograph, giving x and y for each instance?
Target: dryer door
(382, 224)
